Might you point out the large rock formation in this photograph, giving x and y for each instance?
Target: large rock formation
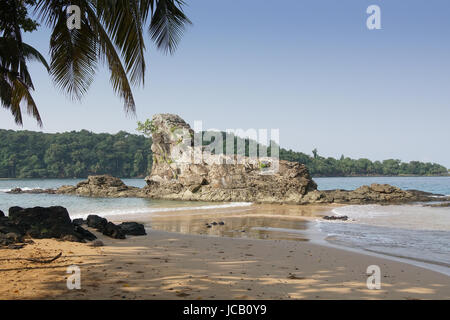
(184, 171)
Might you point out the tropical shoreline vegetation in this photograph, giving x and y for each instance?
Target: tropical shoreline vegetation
(29, 154)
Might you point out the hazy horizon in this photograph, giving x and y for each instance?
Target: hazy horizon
(311, 69)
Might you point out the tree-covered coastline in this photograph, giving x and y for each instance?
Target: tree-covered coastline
(29, 154)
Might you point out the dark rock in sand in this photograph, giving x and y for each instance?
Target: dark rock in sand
(114, 231)
(343, 218)
(83, 233)
(79, 222)
(97, 243)
(13, 210)
(7, 226)
(40, 223)
(133, 228)
(96, 222)
(221, 223)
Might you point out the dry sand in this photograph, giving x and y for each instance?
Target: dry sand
(176, 266)
(180, 265)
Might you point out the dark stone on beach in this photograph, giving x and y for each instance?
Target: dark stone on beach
(97, 243)
(133, 228)
(13, 210)
(84, 234)
(96, 222)
(79, 222)
(42, 223)
(6, 227)
(343, 218)
(221, 223)
(214, 223)
(114, 231)
(208, 226)
(7, 239)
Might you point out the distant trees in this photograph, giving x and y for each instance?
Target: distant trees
(344, 166)
(27, 154)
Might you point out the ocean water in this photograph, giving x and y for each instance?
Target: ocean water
(439, 185)
(412, 231)
(81, 207)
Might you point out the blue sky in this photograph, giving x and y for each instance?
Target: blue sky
(308, 67)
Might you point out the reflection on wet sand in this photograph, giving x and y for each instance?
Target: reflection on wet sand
(280, 222)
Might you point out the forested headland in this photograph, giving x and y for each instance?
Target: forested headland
(29, 154)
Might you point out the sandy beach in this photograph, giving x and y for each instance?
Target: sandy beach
(173, 265)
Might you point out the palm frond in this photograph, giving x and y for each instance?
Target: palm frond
(73, 58)
(123, 23)
(108, 54)
(167, 24)
(21, 93)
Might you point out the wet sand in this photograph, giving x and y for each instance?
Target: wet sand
(177, 265)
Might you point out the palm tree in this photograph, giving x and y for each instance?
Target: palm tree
(15, 80)
(111, 33)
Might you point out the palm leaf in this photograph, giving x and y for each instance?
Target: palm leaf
(73, 58)
(20, 93)
(167, 24)
(108, 54)
(122, 21)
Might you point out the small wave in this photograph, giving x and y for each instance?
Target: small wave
(118, 212)
(23, 189)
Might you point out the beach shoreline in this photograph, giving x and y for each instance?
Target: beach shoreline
(175, 265)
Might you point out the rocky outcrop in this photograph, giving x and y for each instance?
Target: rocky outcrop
(183, 171)
(375, 193)
(115, 231)
(32, 191)
(101, 186)
(40, 223)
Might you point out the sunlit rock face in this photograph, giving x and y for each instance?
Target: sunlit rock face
(183, 169)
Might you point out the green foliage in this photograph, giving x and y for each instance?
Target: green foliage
(331, 167)
(146, 128)
(27, 154)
